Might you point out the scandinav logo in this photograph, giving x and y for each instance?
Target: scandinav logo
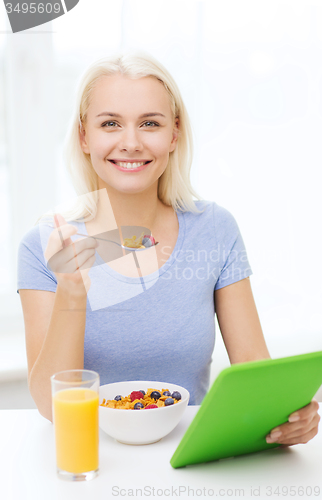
(27, 14)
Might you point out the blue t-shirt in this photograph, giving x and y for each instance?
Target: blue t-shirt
(160, 326)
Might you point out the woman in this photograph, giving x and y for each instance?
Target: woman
(129, 152)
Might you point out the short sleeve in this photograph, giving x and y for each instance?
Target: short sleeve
(32, 272)
(234, 261)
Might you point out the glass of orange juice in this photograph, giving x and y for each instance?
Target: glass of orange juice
(75, 398)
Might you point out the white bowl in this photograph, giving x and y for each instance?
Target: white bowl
(140, 426)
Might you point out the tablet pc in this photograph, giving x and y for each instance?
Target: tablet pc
(245, 402)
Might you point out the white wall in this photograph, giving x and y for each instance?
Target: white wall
(251, 76)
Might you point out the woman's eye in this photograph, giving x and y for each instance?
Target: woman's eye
(109, 124)
(151, 124)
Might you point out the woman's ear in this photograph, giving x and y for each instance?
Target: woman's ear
(175, 134)
(82, 139)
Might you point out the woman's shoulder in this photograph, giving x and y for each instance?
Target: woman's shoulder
(31, 238)
(210, 209)
(32, 270)
(31, 250)
(213, 219)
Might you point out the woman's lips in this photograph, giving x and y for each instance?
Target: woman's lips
(130, 169)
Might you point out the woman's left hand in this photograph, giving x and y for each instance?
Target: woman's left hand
(302, 426)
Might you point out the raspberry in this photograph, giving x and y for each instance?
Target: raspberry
(136, 395)
(150, 406)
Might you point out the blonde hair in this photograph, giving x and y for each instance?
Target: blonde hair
(174, 187)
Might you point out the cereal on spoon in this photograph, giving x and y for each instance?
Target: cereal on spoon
(144, 241)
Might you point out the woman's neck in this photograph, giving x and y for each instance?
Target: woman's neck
(115, 209)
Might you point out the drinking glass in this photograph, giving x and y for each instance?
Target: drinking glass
(75, 400)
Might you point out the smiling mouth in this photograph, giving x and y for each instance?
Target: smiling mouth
(130, 165)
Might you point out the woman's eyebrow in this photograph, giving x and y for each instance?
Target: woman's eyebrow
(145, 115)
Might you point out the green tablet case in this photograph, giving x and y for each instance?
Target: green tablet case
(245, 402)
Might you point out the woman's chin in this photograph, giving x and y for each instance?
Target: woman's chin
(124, 188)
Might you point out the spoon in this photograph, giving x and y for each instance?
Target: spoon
(128, 229)
(118, 244)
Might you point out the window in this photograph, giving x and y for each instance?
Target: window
(5, 269)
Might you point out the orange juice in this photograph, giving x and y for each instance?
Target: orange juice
(76, 429)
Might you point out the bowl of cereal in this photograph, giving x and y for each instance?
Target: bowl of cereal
(141, 412)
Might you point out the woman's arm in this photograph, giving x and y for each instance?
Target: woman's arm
(55, 321)
(244, 340)
(54, 330)
(239, 323)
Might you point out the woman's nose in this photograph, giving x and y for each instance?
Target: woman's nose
(130, 140)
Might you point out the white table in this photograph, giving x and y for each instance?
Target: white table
(28, 472)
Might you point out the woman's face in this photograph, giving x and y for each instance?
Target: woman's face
(129, 123)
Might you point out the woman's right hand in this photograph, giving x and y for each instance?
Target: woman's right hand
(70, 261)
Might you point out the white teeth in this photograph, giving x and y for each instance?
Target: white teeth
(129, 165)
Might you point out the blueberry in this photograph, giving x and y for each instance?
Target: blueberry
(138, 405)
(143, 392)
(147, 242)
(118, 398)
(155, 395)
(169, 401)
(166, 393)
(176, 395)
